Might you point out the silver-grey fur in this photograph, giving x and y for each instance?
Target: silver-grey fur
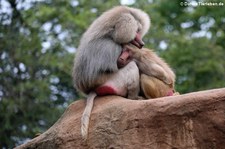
(100, 45)
(125, 81)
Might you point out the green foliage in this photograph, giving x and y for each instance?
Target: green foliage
(191, 40)
(36, 39)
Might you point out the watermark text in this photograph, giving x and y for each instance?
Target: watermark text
(208, 4)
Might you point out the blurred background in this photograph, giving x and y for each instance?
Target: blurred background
(38, 41)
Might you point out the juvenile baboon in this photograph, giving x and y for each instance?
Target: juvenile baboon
(157, 78)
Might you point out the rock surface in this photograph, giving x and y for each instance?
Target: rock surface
(190, 121)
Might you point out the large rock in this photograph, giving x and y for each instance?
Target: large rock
(195, 120)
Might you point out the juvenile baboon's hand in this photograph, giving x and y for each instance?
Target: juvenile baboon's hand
(132, 49)
(134, 52)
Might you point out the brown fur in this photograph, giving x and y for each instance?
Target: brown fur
(157, 78)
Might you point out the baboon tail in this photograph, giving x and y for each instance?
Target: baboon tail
(86, 114)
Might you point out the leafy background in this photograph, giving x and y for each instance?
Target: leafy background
(38, 40)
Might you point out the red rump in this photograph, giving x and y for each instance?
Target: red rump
(105, 90)
(170, 93)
